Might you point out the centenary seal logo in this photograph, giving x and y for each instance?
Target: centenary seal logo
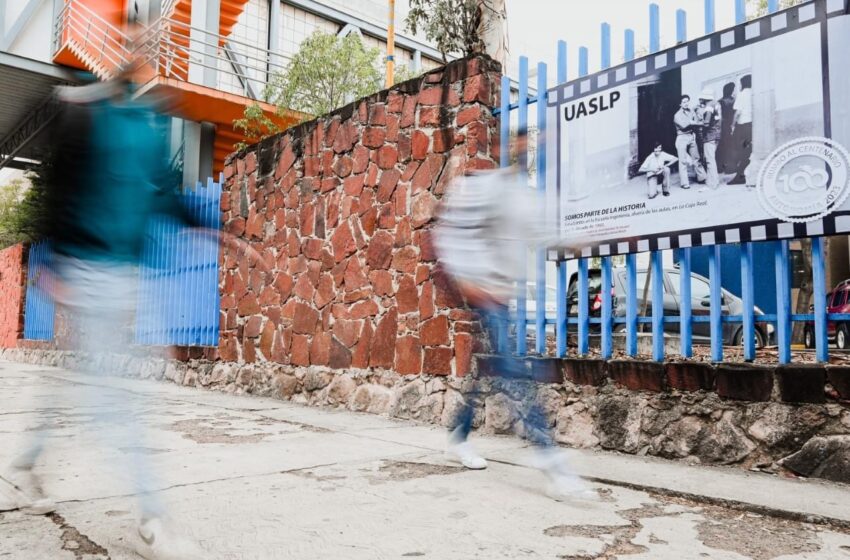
(805, 179)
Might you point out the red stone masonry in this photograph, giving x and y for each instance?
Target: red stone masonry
(341, 210)
(13, 279)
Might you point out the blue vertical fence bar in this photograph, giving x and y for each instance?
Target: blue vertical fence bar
(631, 260)
(715, 304)
(748, 298)
(522, 286)
(583, 288)
(681, 26)
(709, 16)
(819, 293)
(631, 305)
(561, 270)
(583, 309)
(178, 291)
(772, 6)
(605, 327)
(685, 311)
(607, 346)
(582, 61)
(783, 302)
(605, 40)
(657, 306)
(541, 189)
(654, 28)
(39, 310)
(656, 258)
(504, 161)
(740, 11)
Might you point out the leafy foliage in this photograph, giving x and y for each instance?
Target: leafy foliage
(255, 125)
(326, 72)
(22, 210)
(761, 6)
(454, 26)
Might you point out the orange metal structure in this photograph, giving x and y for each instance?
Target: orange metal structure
(92, 35)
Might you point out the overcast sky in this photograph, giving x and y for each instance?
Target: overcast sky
(535, 26)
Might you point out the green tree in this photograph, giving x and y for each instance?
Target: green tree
(759, 7)
(22, 210)
(327, 72)
(454, 26)
(255, 126)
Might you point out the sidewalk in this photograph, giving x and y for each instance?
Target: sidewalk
(254, 478)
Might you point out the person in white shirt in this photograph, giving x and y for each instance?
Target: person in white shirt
(657, 169)
(742, 134)
(687, 124)
(710, 115)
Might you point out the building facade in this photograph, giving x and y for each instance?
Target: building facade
(213, 56)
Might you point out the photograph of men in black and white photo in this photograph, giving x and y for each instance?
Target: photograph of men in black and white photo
(680, 147)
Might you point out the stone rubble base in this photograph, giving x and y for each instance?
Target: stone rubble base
(698, 427)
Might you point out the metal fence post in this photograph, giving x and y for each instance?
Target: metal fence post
(686, 347)
(748, 296)
(783, 302)
(561, 328)
(819, 293)
(716, 302)
(542, 85)
(504, 161)
(522, 286)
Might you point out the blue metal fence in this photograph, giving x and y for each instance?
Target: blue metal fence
(39, 310)
(178, 292)
(782, 319)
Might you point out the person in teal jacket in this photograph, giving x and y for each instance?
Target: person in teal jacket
(109, 177)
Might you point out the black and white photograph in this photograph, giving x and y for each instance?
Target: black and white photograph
(679, 146)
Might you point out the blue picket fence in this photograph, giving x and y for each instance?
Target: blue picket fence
(178, 279)
(40, 309)
(178, 291)
(783, 318)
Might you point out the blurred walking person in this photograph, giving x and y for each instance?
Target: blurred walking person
(487, 220)
(109, 178)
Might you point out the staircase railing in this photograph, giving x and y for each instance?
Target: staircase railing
(103, 44)
(169, 48)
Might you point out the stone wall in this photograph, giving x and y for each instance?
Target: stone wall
(340, 209)
(13, 278)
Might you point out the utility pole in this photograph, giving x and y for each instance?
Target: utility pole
(391, 45)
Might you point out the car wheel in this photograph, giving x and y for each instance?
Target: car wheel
(757, 335)
(809, 338)
(842, 339)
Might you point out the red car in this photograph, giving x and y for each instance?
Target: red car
(837, 301)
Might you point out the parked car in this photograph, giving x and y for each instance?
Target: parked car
(700, 304)
(838, 332)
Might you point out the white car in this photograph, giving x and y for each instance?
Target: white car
(531, 306)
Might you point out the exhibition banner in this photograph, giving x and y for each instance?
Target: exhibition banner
(741, 135)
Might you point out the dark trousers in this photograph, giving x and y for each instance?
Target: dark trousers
(742, 146)
(505, 366)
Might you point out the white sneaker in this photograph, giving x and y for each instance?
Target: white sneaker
(23, 493)
(461, 451)
(563, 483)
(159, 543)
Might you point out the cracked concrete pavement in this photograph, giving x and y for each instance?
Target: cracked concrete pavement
(252, 478)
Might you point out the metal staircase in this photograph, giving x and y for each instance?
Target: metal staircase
(164, 55)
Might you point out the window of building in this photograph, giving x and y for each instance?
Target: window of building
(250, 42)
(297, 25)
